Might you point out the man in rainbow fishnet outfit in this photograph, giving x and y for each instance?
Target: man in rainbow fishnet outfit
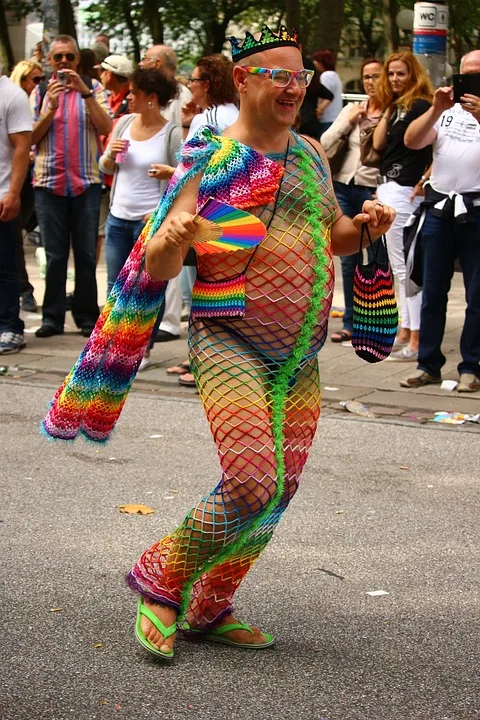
(259, 318)
(257, 374)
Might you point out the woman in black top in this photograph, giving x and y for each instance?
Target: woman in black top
(405, 91)
(309, 124)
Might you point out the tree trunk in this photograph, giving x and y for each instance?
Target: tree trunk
(392, 36)
(66, 19)
(6, 52)
(154, 21)
(293, 14)
(323, 32)
(131, 29)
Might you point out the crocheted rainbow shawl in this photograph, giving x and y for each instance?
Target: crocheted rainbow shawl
(92, 396)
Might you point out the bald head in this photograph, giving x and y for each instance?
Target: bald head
(165, 57)
(470, 63)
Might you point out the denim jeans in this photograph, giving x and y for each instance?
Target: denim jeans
(64, 219)
(120, 237)
(9, 281)
(351, 198)
(442, 240)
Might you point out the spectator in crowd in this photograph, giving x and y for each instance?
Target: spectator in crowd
(37, 54)
(308, 122)
(214, 94)
(115, 72)
(101, 51)
(327, 110)
(88, 64)
(405, 92)
(69, 118)
(354, 183)
(104, 39)
(141, 178)
(27, 74)
(15, 141)
(451, 227)
(148, 142)
(163, 58)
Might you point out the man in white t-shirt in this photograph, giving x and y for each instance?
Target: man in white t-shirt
(328, 110)
(15, 140)
(164, 58)
(451, 228)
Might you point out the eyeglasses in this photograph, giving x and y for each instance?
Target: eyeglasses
(68, 56)
(370, 77)
(282, 78)
(38, 79)
(200, 79)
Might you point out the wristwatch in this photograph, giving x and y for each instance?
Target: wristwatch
(86, 95)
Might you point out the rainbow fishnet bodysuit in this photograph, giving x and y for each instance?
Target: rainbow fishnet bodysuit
(258, 381)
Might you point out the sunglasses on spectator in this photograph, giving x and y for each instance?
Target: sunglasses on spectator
(37, 79)
(68, 56)
(281, 77)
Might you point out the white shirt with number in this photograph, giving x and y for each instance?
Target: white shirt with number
(15, 117)
(456, 152)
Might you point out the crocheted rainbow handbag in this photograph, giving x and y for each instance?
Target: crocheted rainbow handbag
(375, 312)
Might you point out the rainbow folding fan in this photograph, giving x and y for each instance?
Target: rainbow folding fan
(223, 228)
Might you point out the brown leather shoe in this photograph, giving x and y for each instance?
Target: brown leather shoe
(419, 379)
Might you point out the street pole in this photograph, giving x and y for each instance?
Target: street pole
(430, 26)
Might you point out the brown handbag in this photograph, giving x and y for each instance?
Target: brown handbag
(336, 154)
(368, 155)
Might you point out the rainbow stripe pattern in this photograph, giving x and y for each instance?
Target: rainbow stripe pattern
(224, 228)
(375, 312)
(225, 298)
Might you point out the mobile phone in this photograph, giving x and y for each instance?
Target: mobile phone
(151, 171)
(62, 77)
(468, 83)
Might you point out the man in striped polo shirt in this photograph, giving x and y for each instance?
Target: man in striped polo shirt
(70, 115)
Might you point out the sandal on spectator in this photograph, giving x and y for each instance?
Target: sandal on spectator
(181, 369)
(419, 379)
(341, 336)
(187, 380)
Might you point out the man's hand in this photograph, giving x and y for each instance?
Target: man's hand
(443, 99)
(181, 231)
(75, 82)
(377, 216)
(9, 207)
(54, 90)
(471, 103)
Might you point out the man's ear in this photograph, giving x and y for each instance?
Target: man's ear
(240, 79)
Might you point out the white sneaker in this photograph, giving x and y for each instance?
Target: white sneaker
(146, 362)
(405, 354)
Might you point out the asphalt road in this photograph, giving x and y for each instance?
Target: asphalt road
(382, 506)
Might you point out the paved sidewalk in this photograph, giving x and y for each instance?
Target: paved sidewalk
(349, 378)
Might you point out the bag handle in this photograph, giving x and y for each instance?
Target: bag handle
(375, 247)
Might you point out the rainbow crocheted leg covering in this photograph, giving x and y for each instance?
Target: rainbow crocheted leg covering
(258, 381)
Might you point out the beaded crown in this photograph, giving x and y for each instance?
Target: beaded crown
(267, 40)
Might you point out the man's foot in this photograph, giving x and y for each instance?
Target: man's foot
(11, 343)
(468, 383)
(29, 303)
(168, 616)
(419, 379)
(341, 336)
(256, 637)
(46, 331)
